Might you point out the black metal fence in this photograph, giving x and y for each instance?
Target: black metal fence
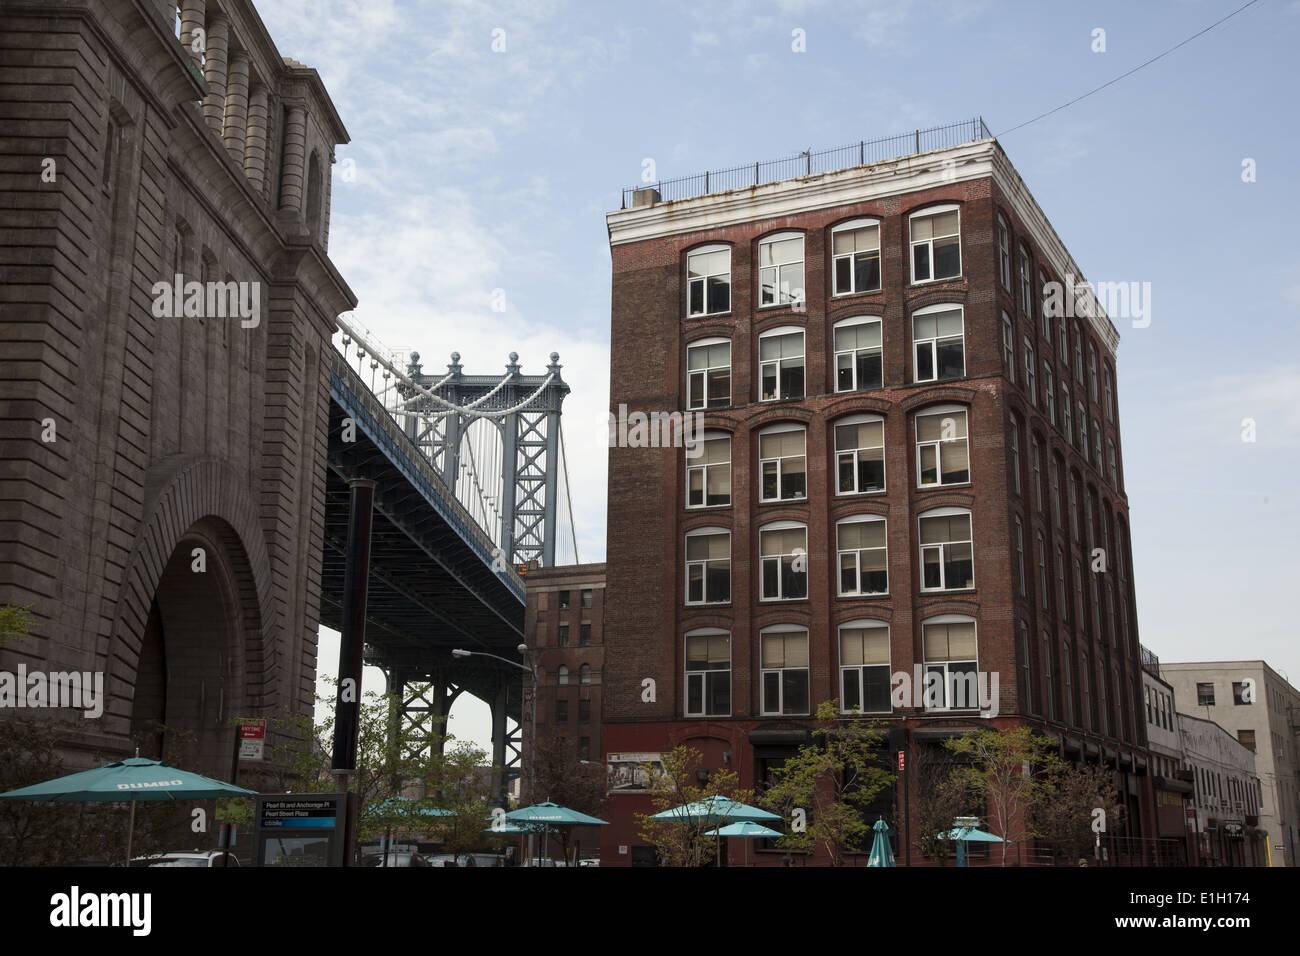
(808, 163)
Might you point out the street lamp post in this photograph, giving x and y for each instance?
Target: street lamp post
(531, 669)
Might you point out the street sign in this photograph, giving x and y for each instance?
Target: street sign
(900, 760)
(252, 738)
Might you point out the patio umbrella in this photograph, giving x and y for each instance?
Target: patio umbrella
(963, 835)
(882, 854)
(716, 807)
(136, 778)
(747, 830)
(552, 815)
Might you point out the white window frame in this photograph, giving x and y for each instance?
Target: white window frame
(1026, 284)
(704, 373)
(835, 369)
(772, 430)
(1022, 576)
(763, 559)
(1044, 585)
(943, 548)
(704, 280)
(1004, 253)
(1096, 443)
(863, 419)
(913, 243)
(780, 363)
(704, 565)
(784, 297)
(1114, 467)
(1081, 425)
(1015, 454)
(942, 411)
(704, 468)
(1031, 371)
(780, 711)
(1009, 346)
(702, 674)
(1036, 464)
(864, 624)
(1078, 352)
(1067, 413)
(1049, 392)
(1109, 393)
(1092, 372)
(933, 343)
(926, 663)
(856, 553)
(853, 226)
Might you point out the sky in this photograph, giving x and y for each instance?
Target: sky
(489, 139)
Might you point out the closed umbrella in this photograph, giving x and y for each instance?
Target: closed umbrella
(882, 854)
(136, 778)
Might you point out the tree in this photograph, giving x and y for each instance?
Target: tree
(565, 779)
(16, 623)
(939, 797)
(1007, 768)
(682, 842)
(1064, 813)
(834, 778)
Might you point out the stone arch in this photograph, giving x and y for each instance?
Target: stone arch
(198, 502)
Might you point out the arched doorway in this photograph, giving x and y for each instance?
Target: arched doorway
(190, 678)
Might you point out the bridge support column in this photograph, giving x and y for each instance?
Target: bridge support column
(499, 706)
(356, 576)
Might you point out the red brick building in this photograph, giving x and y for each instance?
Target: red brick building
(908, 463)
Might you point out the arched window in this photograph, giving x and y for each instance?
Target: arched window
(562, 675)
(864, 667)
(855, 256)
(584, 674)
(860, 454)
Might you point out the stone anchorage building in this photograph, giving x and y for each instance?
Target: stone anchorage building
(908, 465)
(1261, 709)
(163, 470)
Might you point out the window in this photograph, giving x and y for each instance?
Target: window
(942, 452)
(1054, 470)
(1026, 287)
(1004, 253)
(1020, 556)
(708, 566)
(781, 463)
(1047, 319)
(708, 475)
(584, 748)
(708, 374)
(947, 555)
(1096, 443)
(864, 667)
(783, 556)
(1239, 693)
(1078, 353)
(1031, 367)
(708, 673)
(561, 711)
(1067, 703)
(1043, 595)
(1049, 699)
(1009, 347)
(1109, 394)
(708, 281)
(1026, 669)
(584, 634)
(1085, 686)
(1049, 393)
(861, 543)
(855, 257)
(780, 269)
(1065, 343)
(584, 674)
(936, 244)
(1014, 440)
(562, 676)
(860, 454)
(585, 597)
(1092, 371)
(1036, 462)
(1063, 596)
(1083, 428)
(857, 354)
(1150, 718)
(1247, 739)
(564, 599)
(780, 364)
(784, 665)
(938, 343)
(1114, 467)
(562, 636)
(1067, 420)
(950, 663)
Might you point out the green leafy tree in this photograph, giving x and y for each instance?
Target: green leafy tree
(834, 779)
(565, 779)
(16, 622)
(1064, 812)
(682, 842)
(1007, 769)
(939, 796)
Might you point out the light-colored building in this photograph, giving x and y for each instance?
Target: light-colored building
(1261, 709)
(1226, 796)
(1173, 785)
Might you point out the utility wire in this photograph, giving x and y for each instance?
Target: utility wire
(1216, 23)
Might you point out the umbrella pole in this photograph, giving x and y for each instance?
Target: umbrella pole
(130, 831)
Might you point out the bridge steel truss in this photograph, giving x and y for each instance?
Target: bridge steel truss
(530, 443)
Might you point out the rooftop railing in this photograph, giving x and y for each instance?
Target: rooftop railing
(808, 163)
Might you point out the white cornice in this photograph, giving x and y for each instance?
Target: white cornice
(982, 160)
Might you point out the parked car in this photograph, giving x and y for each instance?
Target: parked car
(197, 858)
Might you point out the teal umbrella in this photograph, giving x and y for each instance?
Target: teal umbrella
(136, 778)
(716, 807)
(747, 830)
(963, 835)
(553, 813)
(882, 854)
